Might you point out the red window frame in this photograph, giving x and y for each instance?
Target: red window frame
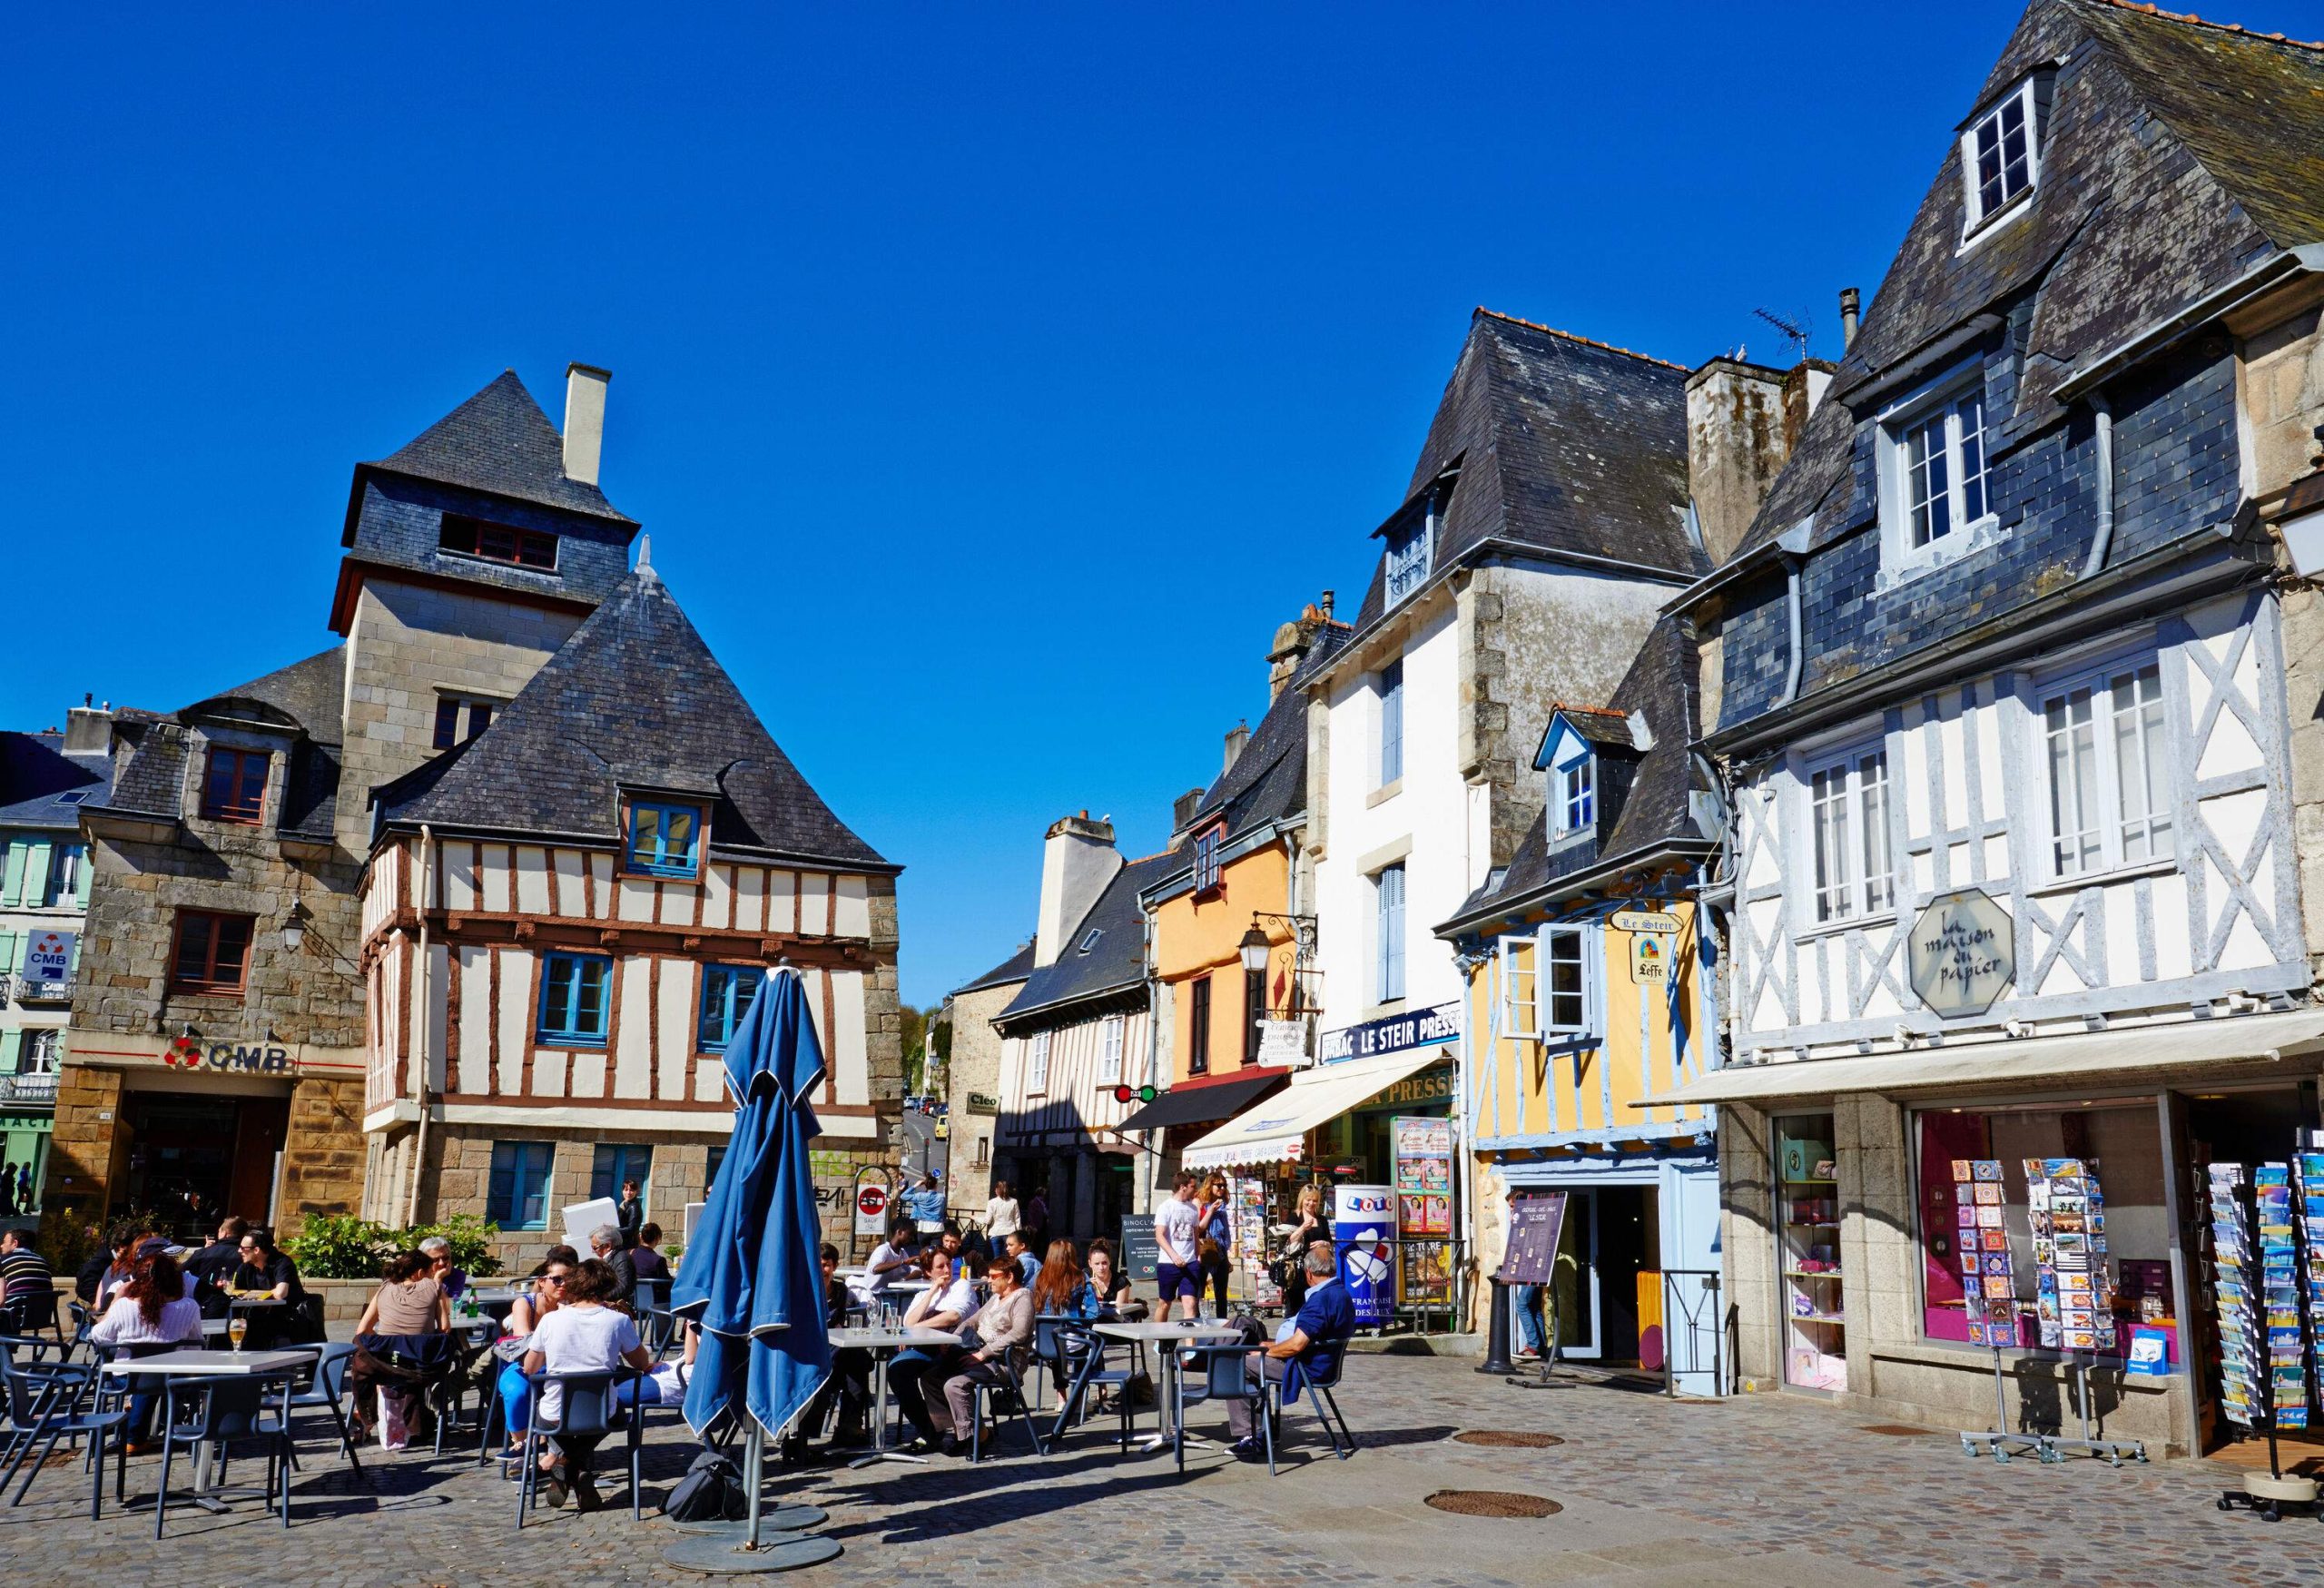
(197, 956)
(481, 537)
(241, 799)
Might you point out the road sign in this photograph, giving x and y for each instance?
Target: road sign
(1135, 1094)
(870, 1208)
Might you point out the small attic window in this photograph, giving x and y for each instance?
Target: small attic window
(1089, 943)
(2001, 151)
(480, 537)
(1412, 551)
(74, 798)
(664, 839)
(1208, 867)
(1573, 792)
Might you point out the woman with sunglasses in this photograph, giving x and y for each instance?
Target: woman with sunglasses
(516, 1390)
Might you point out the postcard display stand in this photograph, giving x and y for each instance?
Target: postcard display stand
(1991, 1289)
(2074, 1310)
(2257, 1231)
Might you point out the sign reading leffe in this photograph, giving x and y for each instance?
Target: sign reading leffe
(1394, 1033)
(1964, 954)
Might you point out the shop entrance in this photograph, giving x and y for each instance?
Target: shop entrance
(1613, 1236)
(194, 1157)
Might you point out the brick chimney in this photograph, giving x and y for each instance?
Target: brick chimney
(1736, 441)
(584, 420)
(1078, 860)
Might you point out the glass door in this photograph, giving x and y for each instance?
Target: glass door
(1808, 1236)
(1574, 1296)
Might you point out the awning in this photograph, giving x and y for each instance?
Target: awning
(2222, 1039)
(1205, 1105)
(1276, 1129)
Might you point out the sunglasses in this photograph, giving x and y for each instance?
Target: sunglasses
(552, 1278)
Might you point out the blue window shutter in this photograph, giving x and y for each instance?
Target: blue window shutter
(12, 877)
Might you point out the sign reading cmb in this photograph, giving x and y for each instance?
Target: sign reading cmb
(1964, 954)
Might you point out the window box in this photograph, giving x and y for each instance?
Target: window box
(576, 993)
(233, 786)
(664, 840)
(210, 957)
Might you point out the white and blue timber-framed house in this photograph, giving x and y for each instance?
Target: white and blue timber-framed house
(1998, 680)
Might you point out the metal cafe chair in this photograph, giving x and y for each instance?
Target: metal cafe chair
(45, 1405)
(1224, 1378)
(326, 1388)
(1076, 1353)
(592, 1405)
(231, 1409)
(1316, 1378)
(1003, 1395)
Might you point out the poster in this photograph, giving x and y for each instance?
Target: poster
(1364, 1229)
(1423, 1176)
(1536, 1224)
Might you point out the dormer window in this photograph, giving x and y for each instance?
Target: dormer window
(1577, 795)
(664, 839)
(453, 710)
(1207, 864)
(233, 786)
(1934, 501)
(1412, 551)
(2001, 150)
(481, 537)
(1570, 763)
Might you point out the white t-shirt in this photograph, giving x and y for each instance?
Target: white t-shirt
(124, 1323)
(959, 1298)
(1174, 1227)
(1000, 1217)
(581, 1337)
(887, 1251)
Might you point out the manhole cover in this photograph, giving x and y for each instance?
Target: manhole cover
(1896, 1430)
(1507, 1438)
(1491, 1502)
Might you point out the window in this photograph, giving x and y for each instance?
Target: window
(1849, 812)
(451, 708)
(612, 1164)
(2109, 800)
(1198, 1028)
(498, 542)
(1255, 1009)
(1520, 982)
(1388, 905)
(1945, 471)
(726, 995)
(40, 1053)
(664, 840)
(711, 1163)
(517, 1197)
(212, 956)
(1206, 862)
(1036, 1062)
(67, 873)
(233, 786)
(572, 1000)
(1411, 550)
(2001, 154)
(1109, 1051)
(1090, 940)
(1577, 795)
(1566, 981)
(1392, 721)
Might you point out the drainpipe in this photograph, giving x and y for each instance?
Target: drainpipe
(425, 1021)
(1793, 544)
(1151, 1166)
(2102, 538)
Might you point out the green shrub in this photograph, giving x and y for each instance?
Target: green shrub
(354, 1248)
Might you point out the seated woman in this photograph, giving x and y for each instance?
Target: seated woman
(948, 1302)
(410, 1300)
(1004, 1341)
(402, 1343)
(1115, 1298)
(584, 1334)
(1064, 1291)
(152, 1309)
(516, 1339)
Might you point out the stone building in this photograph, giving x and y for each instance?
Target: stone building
(973, 1081)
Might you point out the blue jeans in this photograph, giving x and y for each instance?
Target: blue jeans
(1525, 1300)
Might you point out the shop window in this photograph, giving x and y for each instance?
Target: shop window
(1198, 1027)
(212, 959)
(612, 1164)
(233, 786)
(574, 989)
(493, 542)
(1807, 1210)
(2122, 1145)
(2108, 770)
(1109, 1050)
(664, 840)
(517, 1197)
(726, 995)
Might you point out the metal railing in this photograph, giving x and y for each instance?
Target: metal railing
(1694, 1319)
(28, 1089)
(15, 985)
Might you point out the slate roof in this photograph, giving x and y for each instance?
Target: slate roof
(499, 441)
(36, 775)
(312, 694)
(1655, 812)
(2179, 154)
(1603, 727)
(307, 695)
(632, 699)
(1563, 444)
(1117, 963)
(1014, 968)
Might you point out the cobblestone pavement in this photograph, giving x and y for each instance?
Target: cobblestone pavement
(1765, 1490)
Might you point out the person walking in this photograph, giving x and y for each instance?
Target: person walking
(1214, 1241)
(1001, 1215)
(1177, 1268)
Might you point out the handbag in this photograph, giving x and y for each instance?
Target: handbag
(712, 1490)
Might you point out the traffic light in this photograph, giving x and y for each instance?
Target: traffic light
(1136, 1094)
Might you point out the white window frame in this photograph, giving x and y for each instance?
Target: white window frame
(1859, 881)
(2109, 844)
(1036, 1063)
(65, 864)
(42, 1052)
(1109, 1050)
(1209, 866)
(1404, 570)
(1520, 1008)
(2027, 102)
(1564, 794)
(1941, 403)
(1576, 943)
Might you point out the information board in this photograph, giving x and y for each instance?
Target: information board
(1140, 1250)
(1536, 1223)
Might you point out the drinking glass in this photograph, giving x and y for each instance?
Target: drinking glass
(236, 1327)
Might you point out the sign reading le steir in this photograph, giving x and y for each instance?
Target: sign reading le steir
(1964, 954)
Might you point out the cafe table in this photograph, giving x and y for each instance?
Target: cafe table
(199, 1362)
(1167, 1337)
(883, 1344)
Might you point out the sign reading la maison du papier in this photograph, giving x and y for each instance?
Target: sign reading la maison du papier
(1962, 953)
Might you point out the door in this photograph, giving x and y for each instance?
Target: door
(1694, 1302)
(1574, 1296)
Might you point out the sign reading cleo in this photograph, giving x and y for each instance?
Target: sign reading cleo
(1964, 954)
(1394, 1034)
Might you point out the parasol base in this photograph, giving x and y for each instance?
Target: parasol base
(723, 1555)
(780, 1519)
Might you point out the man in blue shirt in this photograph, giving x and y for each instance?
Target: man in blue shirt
(926, 1205)
(1326, 1323)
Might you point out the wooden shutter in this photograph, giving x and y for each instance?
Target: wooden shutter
(12, 877)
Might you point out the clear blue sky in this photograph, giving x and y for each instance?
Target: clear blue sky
(992, 380)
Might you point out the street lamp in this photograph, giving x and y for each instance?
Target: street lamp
(1256, 947)
(294, 927)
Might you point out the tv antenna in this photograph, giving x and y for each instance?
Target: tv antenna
(1795, 328)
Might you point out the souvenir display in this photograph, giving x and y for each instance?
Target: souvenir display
(2308, 1202)
(1989, 1283)
(2234, 1264)
(2074, 1305)
(2284, 1329)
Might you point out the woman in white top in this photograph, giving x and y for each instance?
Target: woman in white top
(153, 1310)
(948, 1302)
(582, 1336)
(1000, 1214)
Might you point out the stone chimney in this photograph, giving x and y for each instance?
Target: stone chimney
(1238, 738)
(1183, 809)
(88, 728)
(1804, 385)
(1292, 641)
(584, 420)
(1078, 860)
(1736, 441)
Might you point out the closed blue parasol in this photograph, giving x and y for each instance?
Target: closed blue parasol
(751, 1278)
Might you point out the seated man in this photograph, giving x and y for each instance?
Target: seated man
(1326, 1323)
(893, 1258)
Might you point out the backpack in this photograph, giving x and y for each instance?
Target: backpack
(712, 1490)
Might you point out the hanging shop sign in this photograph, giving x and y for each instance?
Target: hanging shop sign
(1644, 921)
(1650, 957)
(1964, 954)
(48, 956)
(1283, 1041)
(1394, 1033)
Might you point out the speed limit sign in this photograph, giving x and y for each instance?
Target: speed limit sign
(872, 1208)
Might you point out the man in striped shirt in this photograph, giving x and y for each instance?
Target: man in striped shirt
(22, 1271)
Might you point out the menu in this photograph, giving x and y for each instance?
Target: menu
(1988, 1284)
(2074, 1307)
(2237, 1277)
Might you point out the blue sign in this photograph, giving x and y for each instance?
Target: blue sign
(1394, 1033)
(1364, 1229)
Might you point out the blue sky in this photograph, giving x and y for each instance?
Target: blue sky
(992, 380)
